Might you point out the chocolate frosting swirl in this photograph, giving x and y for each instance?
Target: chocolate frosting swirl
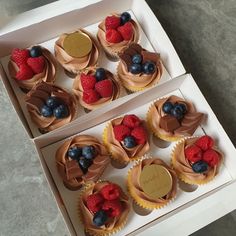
(37, 97)
(100, 162)
(183, 167)
(135, 188)
(189, 124)
(73, 64)
(120, 152)
(47, 75)
(78, 90)
(113, 224)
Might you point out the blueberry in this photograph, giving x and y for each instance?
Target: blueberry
(61, 111)
(137, 58)
(129, 142)
(100, 218)
(135, 69)
(74, 153)
(200, 166)
(85, 164)
(88, 152)
(167, 107)
(100, 74)
(46, 111)
(149, 67)
(53, 102)
(183, 107)
(35, 51)
(177, 112)
(125, 17)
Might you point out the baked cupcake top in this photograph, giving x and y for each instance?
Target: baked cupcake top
(104, 208)
(127, 138)
(138, 68)
(77, 50)
(152, 183)
(81, 159)
(196, 160)
(96, 87)
(117, 31)
(50, 106)
(173, 117)
(30, 66)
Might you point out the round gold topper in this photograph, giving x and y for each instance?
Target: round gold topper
(156, 181)
(77, 44)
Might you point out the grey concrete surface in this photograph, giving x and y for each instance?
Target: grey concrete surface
(203, 33)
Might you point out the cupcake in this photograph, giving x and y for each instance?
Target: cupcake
(126, 138)
(50, 106)
(138, 68)
(173, 118)
(103, 208)
(196, 160)
(76, 51)
(152, 183)
(30, 66)
(95, 88)
(117, 32)
(80, 160)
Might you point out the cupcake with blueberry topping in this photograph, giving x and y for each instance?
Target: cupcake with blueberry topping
(116, 32)
(173, 118)
(196, 160)
(30, 66)
(96, 87)
(138, 68)
(103, 208)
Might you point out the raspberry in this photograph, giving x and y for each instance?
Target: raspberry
(205, 142)
(37, 64)
(120, 132)
(24, 73)
(140, 134)
(112, 22)
(110, 191)
(112, 207)
(193, 153)
(211, 157)
(104, 88)
(87, 81)
(20, 56)
(113, 36)
(126, 31)
(95, 202)
(131, 121)
(90, 96)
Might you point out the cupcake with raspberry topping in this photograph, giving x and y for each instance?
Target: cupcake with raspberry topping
(80, 160)
(30, 66)
(126, 138)
(96, 87)
(196, 160)
(138, 68)
(103, 208)
(116, 32)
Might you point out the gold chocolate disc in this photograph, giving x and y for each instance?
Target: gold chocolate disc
(77, 44)
(156, 181)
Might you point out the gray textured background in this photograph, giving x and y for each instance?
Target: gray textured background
(203, 33)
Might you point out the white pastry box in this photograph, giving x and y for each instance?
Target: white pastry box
(193, 207)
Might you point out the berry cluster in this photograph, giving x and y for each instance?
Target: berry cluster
(130, 132)
(201, 155)
(96, 86)
(54, 107)
(30, 62)
(105, 204)
(178, 110)
(138, 66)
(83, 155)
(119, 28)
